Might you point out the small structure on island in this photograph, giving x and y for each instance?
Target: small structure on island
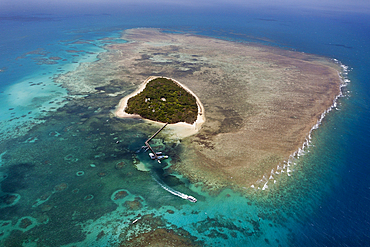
(164, 100)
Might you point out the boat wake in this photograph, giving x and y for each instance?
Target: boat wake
(175, 192)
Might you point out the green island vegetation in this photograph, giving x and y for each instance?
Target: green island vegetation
(164, 101)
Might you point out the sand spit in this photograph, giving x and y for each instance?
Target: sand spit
(261, 102)
(179, 130)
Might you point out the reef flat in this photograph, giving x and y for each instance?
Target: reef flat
(260, 102)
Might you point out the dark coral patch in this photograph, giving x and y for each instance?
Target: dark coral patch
(9, 199)
(61, 187)
(102, 174)
(119, 194)
(25, 222)
(120, 165)
(46, 207)
(75, 191)
(89, 197)
(133, 205)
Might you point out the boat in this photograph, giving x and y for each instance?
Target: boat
(158, 155)
(191, 198)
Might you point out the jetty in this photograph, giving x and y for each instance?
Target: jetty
(147, 142)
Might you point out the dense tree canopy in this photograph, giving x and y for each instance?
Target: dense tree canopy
(165, 101)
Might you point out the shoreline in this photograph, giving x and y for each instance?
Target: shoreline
(281, 168)
(180, 129)
(262, 102)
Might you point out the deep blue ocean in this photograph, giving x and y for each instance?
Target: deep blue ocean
(329, 197)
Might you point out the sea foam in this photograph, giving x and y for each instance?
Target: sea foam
(307, 143)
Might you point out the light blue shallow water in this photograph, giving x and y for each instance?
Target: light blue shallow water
(324, 203)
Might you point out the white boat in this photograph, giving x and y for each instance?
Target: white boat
(159, 156)
(191, 198)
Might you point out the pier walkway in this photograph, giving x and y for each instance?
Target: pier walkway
(147, 142)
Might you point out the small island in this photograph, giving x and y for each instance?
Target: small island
(163, 100)
(261, 102)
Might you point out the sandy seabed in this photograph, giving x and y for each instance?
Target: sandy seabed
(260, 102)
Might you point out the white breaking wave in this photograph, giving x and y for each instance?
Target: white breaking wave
(307, 143)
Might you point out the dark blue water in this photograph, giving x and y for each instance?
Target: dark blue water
(335, 182)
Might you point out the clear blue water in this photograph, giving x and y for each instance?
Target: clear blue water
(325, 203)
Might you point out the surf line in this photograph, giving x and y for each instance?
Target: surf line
(175, 192)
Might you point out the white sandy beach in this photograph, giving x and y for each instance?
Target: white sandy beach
(262, 101)
(177, 130)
